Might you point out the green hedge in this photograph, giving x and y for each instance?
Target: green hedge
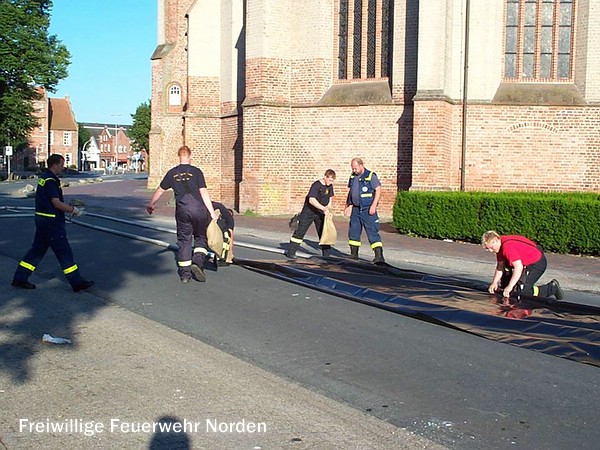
(561, 223)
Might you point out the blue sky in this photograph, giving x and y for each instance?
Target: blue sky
(110, 42)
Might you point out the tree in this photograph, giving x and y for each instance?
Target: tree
(140, 130)
(30, 59)
(84, 135)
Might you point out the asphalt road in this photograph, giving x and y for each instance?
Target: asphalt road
(454, 388)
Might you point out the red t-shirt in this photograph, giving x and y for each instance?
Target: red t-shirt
(513, 248)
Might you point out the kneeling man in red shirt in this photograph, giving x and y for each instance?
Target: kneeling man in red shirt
(520, 263)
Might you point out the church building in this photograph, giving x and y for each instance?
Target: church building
(473, 95)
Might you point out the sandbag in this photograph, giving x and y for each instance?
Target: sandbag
(329, 235)
(214, 236)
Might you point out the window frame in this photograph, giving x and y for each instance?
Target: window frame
(537, 48)
(177, 96)
(67, 138)
(370, 64)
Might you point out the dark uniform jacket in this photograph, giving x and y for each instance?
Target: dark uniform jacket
(48, 188)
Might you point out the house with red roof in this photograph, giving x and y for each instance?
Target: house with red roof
(57, 132)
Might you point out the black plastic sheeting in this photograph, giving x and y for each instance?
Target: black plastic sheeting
(563, 329)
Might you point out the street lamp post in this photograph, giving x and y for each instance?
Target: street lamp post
(116, 140)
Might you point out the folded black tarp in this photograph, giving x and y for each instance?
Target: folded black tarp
(561, 329)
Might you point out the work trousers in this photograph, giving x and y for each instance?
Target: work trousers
(49, 233)
(306, 219)
(526, 284)
(359, 219)
(191, 238)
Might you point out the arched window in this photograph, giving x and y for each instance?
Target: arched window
(174, 95)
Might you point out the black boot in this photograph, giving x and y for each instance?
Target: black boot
(378, 255)
(292, 249)
(354, 251)
(326, 250)
(556, 290)
(198, 273)
(83, 284)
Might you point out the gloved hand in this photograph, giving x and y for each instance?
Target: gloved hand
(77, 212)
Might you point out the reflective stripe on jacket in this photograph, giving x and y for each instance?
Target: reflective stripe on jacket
(365, 187)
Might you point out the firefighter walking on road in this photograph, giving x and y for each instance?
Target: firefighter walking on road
(50, 231)
(363, 197)
(193, 212)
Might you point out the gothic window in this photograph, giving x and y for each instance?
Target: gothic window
(364, 38)
(174, 95)
(539, 40)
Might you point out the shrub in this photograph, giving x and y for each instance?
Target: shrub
(564, 223)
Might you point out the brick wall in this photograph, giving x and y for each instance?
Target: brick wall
(533, 148)
(287, 149)
(528, 148)
(434, 139)
(231, 161)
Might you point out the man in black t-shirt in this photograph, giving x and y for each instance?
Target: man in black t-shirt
(193, 212)
(316, 205)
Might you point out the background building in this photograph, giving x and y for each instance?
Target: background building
(433, 95)
(64, 134)
(56, 132)
(109, 148)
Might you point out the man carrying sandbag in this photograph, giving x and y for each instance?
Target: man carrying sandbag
(315, 209)
(193, 212)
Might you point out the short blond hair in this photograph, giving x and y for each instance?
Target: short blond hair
(184, 150)
(489, 236)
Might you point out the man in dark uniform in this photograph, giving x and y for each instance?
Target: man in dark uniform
(361, 206)
(227, 223)
(193, 212)
(50, 231)
(316, 205)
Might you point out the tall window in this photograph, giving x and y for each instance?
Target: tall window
(174, 95)
(364, 38)
(539, 40)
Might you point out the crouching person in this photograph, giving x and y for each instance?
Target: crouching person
(226, 223)
(519, 265)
